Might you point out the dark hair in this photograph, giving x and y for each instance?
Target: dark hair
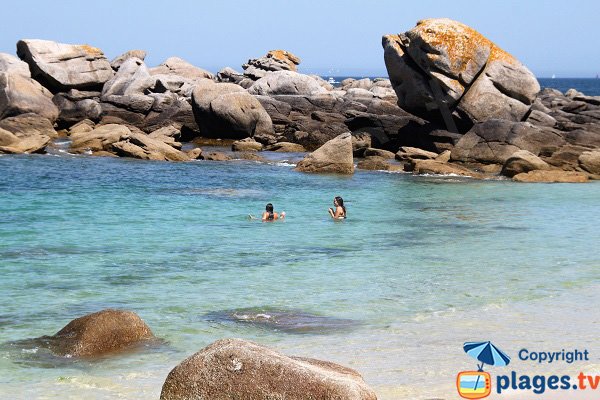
(269, 209)
(340, 202)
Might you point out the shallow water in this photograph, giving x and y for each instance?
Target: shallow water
(421, 265)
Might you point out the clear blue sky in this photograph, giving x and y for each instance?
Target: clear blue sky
(550, 37)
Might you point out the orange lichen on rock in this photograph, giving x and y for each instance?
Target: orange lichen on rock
(86, 48)
(458, 43)
(284, 56)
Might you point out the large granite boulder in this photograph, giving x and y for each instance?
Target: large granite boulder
(286, 83)
(20, 94)
(13, 144)
(441, 62)
(494, 141)
(10, 63)
(102, 332)
(523, 161)
(239, 369)
(335, 156)
(61, 67)
(247, 144)
(274, 60)
(180, 67)
(226, 110)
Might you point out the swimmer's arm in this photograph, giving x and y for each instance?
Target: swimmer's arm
(265, 216)
(331, 213)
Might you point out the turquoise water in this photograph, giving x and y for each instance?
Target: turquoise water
(172, 242)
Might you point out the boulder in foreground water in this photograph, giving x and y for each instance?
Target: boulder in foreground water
(101, 332)
(239, 369)
(335, 156)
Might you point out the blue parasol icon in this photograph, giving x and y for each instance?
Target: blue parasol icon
(487, 353)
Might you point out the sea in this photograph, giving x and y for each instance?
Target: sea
(421, 265)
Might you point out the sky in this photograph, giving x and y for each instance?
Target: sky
(332, 38)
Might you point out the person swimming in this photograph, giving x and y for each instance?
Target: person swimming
(340, 210)
(270, 215)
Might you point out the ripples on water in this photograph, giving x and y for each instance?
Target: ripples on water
(172, 242)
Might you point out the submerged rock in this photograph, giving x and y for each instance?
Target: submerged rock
(440, 168)
(61, 67)
(335, 156)
(289, 321)
(239, 369)
(286, 147)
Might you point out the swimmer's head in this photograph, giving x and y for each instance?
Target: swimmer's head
(269, 208)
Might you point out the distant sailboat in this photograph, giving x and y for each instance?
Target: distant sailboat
(553, 76)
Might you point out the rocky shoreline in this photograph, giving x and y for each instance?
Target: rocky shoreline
(454, 103)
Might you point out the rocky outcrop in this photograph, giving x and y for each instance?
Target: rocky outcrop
(226, 110)
(335, 156)
(238, 369)
(25, 125)
(76, 105)
(106, 331)
(286, 83)
(13, 144)
(523, 161)
(442, 63)
(20, 95)
(61, 67)
(552, 176)
(275, 60)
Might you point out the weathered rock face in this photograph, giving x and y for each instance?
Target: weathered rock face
(335, 156)
(444, 61)
(100, 138)
(275, 60)
(180, 67)
(75, 106)
(61, 67)
(286, 82)
(226, 110)
(13, 144)
(523, 161)
(10, 63)
(99, 333)
(20, 94)
(238, 369)
(494, 141)
(413, 153)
